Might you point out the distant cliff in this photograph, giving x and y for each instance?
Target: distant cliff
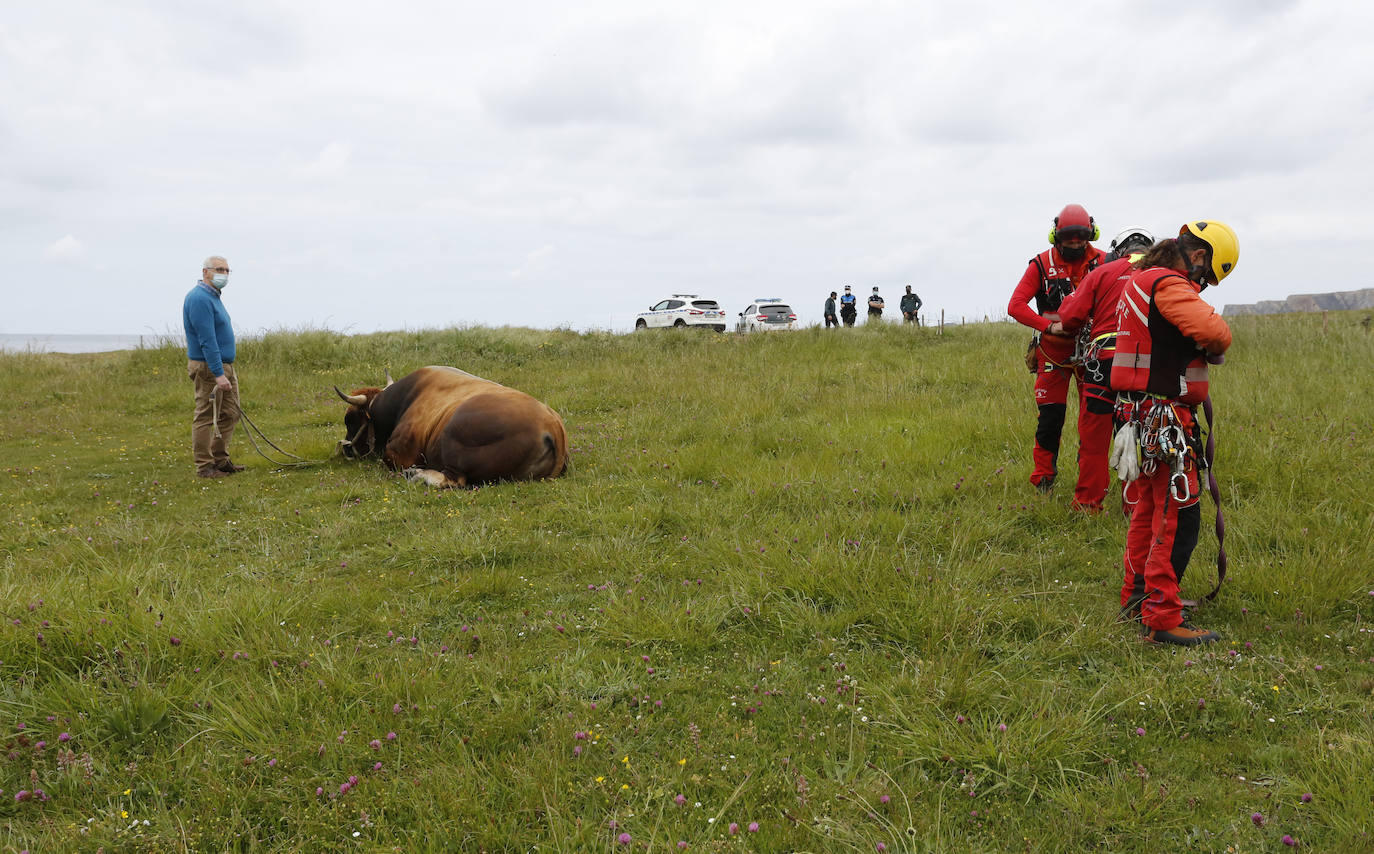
(1339, 301)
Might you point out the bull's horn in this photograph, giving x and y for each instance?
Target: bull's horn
(389, 380)
(351, 399)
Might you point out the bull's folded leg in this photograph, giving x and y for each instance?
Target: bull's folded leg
(433, 478)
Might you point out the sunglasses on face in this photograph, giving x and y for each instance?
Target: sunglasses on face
(1075, 232)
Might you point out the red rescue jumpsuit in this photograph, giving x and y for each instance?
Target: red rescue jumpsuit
(1048, 279)
(1095, 298)
(1164, 331)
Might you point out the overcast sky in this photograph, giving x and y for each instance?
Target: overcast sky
(370, 166)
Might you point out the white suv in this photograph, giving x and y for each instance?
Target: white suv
(683, 310)
(769, 313)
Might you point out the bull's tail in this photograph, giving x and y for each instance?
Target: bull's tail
(555, 457)
(554, 463)
(551, 454)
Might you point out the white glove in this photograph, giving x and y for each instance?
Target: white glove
(1125, 457)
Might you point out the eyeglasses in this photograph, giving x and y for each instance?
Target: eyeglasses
(1075, 232)
(219, 269)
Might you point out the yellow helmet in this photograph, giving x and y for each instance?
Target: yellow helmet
(1221, 239)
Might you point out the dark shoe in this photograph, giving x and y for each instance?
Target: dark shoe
(213, 474)
(228, 467)
(1130, 612)
(1045, 485)
(1181, 635)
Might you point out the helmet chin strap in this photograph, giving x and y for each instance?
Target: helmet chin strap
(1198, 273)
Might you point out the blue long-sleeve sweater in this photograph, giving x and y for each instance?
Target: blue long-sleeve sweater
(209, 335)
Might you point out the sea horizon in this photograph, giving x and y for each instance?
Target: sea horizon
(15, 342)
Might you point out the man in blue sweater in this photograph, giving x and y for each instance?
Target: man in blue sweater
(210, 355)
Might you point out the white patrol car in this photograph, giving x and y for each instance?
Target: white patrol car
(683, 310)
(766, 313)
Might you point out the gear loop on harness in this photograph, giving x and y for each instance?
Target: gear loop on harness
(1160, 437)
(1092, 350)
(1044, 357)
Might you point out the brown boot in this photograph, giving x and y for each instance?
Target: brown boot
(229, 467)
(212, 473)
(1184, 634)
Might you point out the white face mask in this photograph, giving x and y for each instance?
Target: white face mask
(219, 280)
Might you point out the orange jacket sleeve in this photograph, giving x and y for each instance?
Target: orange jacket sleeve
(1178, 301)
(1019, 307)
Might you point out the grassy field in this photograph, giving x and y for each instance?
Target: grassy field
(795, 593)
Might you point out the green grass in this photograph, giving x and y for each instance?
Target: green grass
(799, 579)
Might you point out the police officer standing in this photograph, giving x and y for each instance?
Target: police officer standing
(910, 304)
(875, 306)
(849, 310)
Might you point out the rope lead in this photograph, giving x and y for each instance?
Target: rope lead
(254, 428)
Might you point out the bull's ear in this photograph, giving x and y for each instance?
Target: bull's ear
(389, 380)
(352, 399)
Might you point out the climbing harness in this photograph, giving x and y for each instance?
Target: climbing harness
(1036, 354)
(1163, 440)
(1158, 436)
(1089, 352)
(1151, 434)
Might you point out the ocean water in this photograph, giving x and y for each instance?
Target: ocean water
(16, 343)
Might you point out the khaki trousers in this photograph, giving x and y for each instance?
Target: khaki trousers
(208, 450)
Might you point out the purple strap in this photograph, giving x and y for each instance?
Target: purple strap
(1209, 457)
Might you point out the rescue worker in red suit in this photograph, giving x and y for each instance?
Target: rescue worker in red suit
(1089, 314)
(1166, 334)
(1049, 278)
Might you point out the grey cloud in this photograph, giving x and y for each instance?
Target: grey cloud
(225, 39)
(1239, 13)
(803, 115)
(614, 76)
(598, 96)
(961, 128)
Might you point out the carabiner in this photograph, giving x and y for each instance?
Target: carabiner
(1178, 483)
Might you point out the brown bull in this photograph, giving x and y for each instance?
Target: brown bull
(449, 428)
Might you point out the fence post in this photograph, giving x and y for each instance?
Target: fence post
(942, 321)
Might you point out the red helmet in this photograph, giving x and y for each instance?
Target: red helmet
(1074, 217)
